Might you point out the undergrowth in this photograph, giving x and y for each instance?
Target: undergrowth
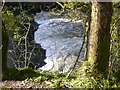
(84, 78)
(89, 78)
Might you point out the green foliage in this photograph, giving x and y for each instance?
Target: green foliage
(89, 78)
(85, 78)
(11, 23)
(8, 19)
(115, 42)
(115, 33)
(14, 23)
(74, 10)
(45, 76)
(18, 28)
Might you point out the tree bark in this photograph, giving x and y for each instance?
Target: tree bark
(87, 34)
(100, 35)
(5, 41)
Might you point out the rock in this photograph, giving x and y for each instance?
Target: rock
(16, 57)
(62, 40)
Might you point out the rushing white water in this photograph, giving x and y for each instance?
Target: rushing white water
(62, 40)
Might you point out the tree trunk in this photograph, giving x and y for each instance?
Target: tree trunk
(87, 34)
(100, 35)
(5, 41)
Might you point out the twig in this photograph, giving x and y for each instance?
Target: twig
(78, 52)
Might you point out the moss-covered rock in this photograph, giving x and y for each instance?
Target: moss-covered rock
(20, 74)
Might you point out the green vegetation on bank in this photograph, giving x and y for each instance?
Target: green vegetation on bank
(85, 77)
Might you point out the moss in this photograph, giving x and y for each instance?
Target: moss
(87, 78)
(20, 74)
(24, 73)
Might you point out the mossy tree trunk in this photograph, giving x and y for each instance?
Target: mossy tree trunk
(5, 41)
(100, 35)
